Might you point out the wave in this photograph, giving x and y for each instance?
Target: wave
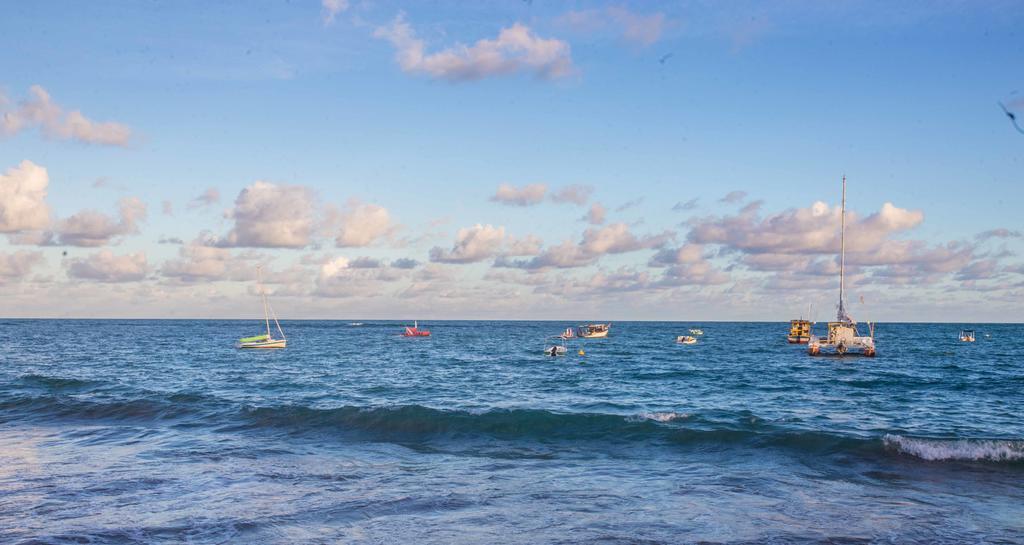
(975, 450)
(420, 424)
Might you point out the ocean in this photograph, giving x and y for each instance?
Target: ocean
(136, 431)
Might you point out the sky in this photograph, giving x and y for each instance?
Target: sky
(511, 160)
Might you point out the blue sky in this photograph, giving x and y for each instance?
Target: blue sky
(640, 107)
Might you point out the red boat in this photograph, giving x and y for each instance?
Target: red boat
(415, 331)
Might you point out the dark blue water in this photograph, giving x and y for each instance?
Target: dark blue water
(162, 432)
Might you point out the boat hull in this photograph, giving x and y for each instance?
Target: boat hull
(596, 335)
(798, 340)
(270, 344)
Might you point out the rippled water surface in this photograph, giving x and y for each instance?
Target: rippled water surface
(163, 432)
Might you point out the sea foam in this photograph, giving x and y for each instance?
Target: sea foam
(992, 450)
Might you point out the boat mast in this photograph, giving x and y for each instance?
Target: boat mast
(263, 295)
(842, 317)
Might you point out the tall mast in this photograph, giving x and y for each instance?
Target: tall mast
(842, 258)
(263, 295)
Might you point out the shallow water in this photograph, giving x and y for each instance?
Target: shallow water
(162, 432)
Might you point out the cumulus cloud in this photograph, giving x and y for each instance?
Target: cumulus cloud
(23, 198)
(271, 216)
(16, 266)
(516, 49)
(361, 224)
(197, 261)
(644, 29)
(472, 244)
(527, 195)
(104, 266)
(803, 231)
(206, 198)
(40, 111)
(331, 8)
(573, 194)
(94, 228)
(596, 242)
(342, 277)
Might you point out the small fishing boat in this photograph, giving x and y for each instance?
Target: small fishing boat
(593, 331)
(557, 348)
(686, 339)
(569, 333)
(799, 331)
(266, 340)
(843, 338)
(415, 331)
(696, 331)
(967, 336)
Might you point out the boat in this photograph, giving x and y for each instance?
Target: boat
(799, 331)
(266, 340)
(696, 331)
(569, 333)
(967, 335)
(557, 347)
(415, 331)
(593, 331)
(686, 339)
(842, 337)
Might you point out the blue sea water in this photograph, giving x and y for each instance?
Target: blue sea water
(163, 432)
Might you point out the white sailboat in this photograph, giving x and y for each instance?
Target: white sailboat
(843, 338)
(266, 340)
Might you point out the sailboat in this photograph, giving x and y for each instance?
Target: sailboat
(266, 340)
(843, 338)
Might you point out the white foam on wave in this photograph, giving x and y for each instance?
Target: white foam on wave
(663, 416)
(992, 450)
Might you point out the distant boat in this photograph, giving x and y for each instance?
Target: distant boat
(593, 331)
(569, 333)
(355, 324)
(266, 340)
(696, 331)
(686, 339)
(415, 331)
(799, 331)
(967, 336)
(843, 338)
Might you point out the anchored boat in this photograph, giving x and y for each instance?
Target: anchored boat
(686, 339)
(415, 331)
(843, 338)
(593, 331)
(266, 340)
(697, 331)
(967, 336)
(799, 331)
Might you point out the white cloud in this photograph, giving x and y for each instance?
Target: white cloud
(342, 277)
(271, 216)
(16, 266)
(361, 224)
(331, 8)
(199, 261)
(472, 244)
(573, 194)
(93, 228)
(39, 111)
(596, 215)
(23, 198)
(104, 266)
(516, 49)
(527, 195)
(596, 242)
